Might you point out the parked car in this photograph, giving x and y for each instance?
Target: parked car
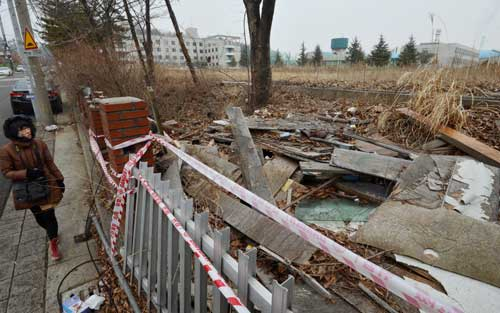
(21, 95)
(5, 71)
(20, 68)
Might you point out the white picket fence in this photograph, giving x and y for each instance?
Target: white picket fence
(162, 264)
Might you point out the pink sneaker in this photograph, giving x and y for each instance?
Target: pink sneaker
(54, 250)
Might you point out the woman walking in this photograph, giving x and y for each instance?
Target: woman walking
(37, 183)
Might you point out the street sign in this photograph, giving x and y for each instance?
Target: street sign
(29, 40)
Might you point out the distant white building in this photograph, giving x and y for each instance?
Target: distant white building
(450, 54)
(213, 51)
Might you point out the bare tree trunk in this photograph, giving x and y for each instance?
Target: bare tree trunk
(150, 73)
(259, 25)
(178, 33)
(137, 45)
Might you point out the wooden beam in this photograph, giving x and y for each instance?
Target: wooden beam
(318, 170)
(478, 150)
(369, 163)
(403, 152)
(250, 163)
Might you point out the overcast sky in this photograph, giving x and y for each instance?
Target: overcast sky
(474, 23)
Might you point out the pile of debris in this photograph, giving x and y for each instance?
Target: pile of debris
(429, 215)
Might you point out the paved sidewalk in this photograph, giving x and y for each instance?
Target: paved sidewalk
(28, 278)
(23, 259)
(71, 214)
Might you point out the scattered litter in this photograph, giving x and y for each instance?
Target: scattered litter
(51, 128)
(75, 305)
(94, 302)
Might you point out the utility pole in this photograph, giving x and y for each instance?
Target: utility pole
(44, 114)
(5, 44)
(20, 49)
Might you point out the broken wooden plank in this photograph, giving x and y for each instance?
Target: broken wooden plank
(277, 172)
(238, 215)
(367, 191)
(254, 225)
(250, 162)
(480, 151)
(369, 163)
(321, 171)
(378, 142)
(221, 138)
(333, 142)
(255, 123)
(291, 152)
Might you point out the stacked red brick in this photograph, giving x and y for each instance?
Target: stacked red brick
(95, 124)
(124, 118)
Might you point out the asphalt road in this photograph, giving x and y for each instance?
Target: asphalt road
(6, 84)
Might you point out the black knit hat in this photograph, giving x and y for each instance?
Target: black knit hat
(14, 124)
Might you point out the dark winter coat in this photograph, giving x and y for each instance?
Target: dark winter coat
(14, 168)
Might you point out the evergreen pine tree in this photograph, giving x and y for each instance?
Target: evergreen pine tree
(409, 53)
(244, 56)
(425, 57)
(62, 21)
(302, 60)
(355, 52)
(380, 55)
(318, 56)
(278, 62)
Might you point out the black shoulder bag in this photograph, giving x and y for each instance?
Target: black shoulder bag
(31, 191)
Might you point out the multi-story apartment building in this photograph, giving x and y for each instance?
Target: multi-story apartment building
(212, 51)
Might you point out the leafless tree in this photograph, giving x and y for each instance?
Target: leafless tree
(260, 19)
(178, 33)
(147, 64)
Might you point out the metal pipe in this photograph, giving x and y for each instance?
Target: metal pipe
(116, 267)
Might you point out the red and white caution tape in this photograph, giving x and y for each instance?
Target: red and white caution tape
(218, 280)
(128, 143)
(121, 194)
(418, 298)
(100, 159)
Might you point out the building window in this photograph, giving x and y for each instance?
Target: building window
(166, 49)
(173, 49)
(196, 58)
(167, 57)
(200, 44)
(216, 49)
(182, 57)
(174, 57)
(173, 42)
(158, 50)
(194, 50)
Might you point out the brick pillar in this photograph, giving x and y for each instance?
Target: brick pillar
(124, 118)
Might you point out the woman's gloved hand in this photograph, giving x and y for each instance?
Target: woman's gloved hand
(60, 184)
(34, 173)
